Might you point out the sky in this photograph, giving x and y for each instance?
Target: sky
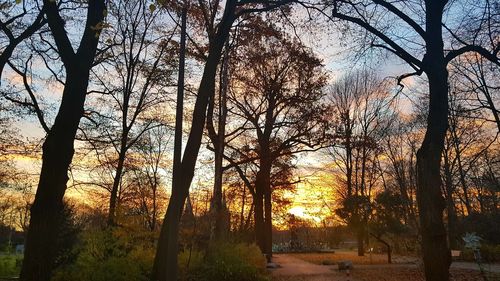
(337, 62)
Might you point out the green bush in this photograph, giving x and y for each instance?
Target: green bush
(110, 255)
(229, 262)
(10, 265)
(489, 253)
(127, 255)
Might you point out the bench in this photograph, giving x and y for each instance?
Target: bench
(455, 254)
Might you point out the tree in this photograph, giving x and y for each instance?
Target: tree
(58, 147)
(131, 82)
(277, 90)
(218, 141)
(425, 54)
(360, 105)
(399, 169)
(151, 150)
(217, 26)
(389, 209)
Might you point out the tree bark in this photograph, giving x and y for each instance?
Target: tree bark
(387, 245)
(450, 204)
(431, 204)
(58, 149)
(165, 264)
(263, 206)
(360, 241)
(219, 227)
(258, 202)
(268, 222)
(166, 253)
(113, 199)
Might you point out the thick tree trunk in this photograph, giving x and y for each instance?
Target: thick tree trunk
(268, 223)
(165, 264)
(58, 150)
(263, 206)
(431, 204)
(436, 254)
(258, 202)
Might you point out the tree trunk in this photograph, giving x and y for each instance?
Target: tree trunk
(431, 204)
(450, 204)
(263, 205)
(220, 227)
(113, 199)
(436, 254)
(155, 208)
(462, 179)
(165, 264)
(360, 240)
(268, 227)
(58, 149)
(242, 210)
(259, 219)
(387, 245)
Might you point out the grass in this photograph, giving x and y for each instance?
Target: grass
(320, 258)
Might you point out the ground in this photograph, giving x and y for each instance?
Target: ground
(307, 267)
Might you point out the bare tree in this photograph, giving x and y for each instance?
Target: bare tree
(217, 27)
(476, 82)
(58, 148)
(427, 53)
(361, 109)
(131, 81)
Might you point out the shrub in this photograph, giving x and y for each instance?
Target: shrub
(10, 265)
(489, 253)
(113, 254)
(189, 261)
(486, 226)
(229, 262)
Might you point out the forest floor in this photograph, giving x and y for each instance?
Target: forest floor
(307, 267)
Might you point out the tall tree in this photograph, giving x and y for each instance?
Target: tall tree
(58, 148)
(278, 91)
(130, 83)
(217, 25)
(361, 109)
(218, 140)
(426, 53)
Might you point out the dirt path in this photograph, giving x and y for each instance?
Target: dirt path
(294, 267)
(495, 268)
